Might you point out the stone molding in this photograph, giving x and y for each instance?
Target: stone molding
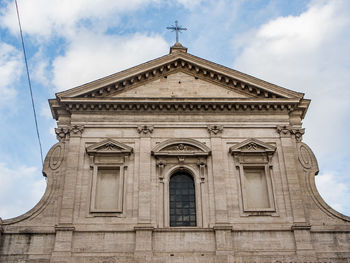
(186, 105)
(301, 226)
(64, 227)
(287, 130)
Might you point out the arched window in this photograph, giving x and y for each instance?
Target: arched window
(182, 200)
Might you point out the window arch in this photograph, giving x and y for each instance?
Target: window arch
(182, 200)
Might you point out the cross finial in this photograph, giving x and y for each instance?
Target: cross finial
(177, 29)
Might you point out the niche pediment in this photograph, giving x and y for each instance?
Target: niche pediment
(109, 146)
(252, 146)
(176, 147)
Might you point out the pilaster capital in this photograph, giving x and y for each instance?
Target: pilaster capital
(287, 131)
(215, 130)
(76, 130)
(161, 163)
(62, 133)
(145, 129)
(202, 162)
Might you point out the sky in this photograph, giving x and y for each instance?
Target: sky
(300, 45)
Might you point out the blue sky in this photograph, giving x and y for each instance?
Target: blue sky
(301, 45)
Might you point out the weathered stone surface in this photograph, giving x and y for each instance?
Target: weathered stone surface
(231, 132)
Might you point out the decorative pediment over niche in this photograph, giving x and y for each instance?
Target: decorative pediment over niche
(253, 146)
(109, 146)
(183, 147)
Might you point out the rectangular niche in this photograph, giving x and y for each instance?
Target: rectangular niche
(108, 161)
(255, 189)
(253, 160)
(107, 188)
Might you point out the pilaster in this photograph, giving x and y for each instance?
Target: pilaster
(72, 139)
(71, 136)
(301, 228)
(145, 174)
(215, 132)
(288, 144)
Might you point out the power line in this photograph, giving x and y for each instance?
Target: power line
(30, 85)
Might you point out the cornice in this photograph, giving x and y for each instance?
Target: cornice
(70, 105)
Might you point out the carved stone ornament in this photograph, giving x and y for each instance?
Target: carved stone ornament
(145, 129)
(215, 129)
(305, 156)
(287, 130)
(62, 133)
(56, 156)
(76, 130)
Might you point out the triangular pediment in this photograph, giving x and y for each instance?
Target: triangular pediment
(182, 147)
(109, 146)
(198, 68)
(154, 86)
(252, 146)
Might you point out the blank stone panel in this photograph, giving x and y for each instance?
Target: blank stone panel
(107, 188)
(257, 195)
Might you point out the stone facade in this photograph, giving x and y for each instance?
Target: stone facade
(123, 138)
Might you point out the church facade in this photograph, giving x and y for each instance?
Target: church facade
(178, 159)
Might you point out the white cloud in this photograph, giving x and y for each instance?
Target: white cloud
(16, 180)
(336, 193)
(308, 53)
(91, 56)
(190, 4)
(45, 18)
(10, 71)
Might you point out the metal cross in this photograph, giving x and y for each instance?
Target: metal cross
(177, 29)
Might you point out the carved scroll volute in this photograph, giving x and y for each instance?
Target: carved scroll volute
(161, 165)
(202, 163)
